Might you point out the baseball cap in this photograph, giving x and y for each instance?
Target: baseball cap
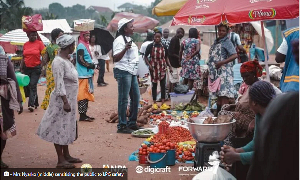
(123, 21)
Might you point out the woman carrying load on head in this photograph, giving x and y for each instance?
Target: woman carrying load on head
(85, 68)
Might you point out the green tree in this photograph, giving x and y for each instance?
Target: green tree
(50, 16)
(11, 14)
(57, 9)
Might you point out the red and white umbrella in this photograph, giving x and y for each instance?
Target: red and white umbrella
(141, 23)
(213, 12)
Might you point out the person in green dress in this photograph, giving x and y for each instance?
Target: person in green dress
(48, 55)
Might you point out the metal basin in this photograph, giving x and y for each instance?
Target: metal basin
(210, 132)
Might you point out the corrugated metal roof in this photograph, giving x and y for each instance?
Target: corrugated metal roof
(49, 25)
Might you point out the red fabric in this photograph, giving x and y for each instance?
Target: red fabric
(213, 12)
(252, 66)
(32, 53)
(32, 23)
(8, 48)
(85, 43)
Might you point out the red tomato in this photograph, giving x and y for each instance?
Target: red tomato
(164, 142)
(144, 153)
(144, 150)
(140, 152)
(177, 154)
(144, 146)
(150, 149)
(167, 148)
(152, 146)
(180, 152)
(186, 153)
(168, 144)
(163, 151)
(157, 151)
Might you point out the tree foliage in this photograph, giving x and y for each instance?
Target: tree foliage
(11, 14)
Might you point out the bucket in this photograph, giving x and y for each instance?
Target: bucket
(23, 80)
(157, 160)
(171, 157)
(143, 159)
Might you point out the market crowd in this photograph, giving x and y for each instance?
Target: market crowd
(273, 113)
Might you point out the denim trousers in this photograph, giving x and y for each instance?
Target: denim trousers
(34, 74)
(127, 87)
(101, 71)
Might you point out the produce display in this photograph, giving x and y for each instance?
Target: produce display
(174, 134)
(192, 106)
(143, 133)
(221, 119)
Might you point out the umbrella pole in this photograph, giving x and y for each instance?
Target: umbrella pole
(265, 51)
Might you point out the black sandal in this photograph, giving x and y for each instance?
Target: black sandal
(91, 118)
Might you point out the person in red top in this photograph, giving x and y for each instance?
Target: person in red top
(31, 66)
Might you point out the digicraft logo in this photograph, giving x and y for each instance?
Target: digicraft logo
(262, 13)
(148, 169)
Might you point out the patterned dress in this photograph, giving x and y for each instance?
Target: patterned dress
(219, 51)
(58, 126)
(158, 63)
(52, 51)
(190, 68)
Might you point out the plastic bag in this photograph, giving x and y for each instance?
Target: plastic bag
(32, 23)
(216, 172)
(206, 113)
(181, 89)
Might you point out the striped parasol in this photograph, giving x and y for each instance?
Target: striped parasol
(19, 37)
(141, 23)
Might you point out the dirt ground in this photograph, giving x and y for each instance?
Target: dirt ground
(98, 143)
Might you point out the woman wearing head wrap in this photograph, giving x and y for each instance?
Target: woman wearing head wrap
(31, 66)
(221, 56)
(261, 94)
(126, 59)
(11, 100)
(241, 112)
(48, 55)
(59, 124)
(85, 68)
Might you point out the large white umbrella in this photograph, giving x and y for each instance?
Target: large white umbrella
(19, 37)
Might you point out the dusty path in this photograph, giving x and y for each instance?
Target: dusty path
(98, 142)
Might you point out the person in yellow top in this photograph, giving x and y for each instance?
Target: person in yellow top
(48, 55)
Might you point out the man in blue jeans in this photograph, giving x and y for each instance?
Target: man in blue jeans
(126, 60)
(101, 67)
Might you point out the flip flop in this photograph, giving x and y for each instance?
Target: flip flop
(66, 166)
(75, 160)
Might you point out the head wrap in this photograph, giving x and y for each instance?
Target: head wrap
(64, 41)
(252, 66)
(84, 42)
(2, 52)
(262, 92)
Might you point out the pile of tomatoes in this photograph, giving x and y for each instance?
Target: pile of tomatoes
(187, 154)
(160, 116)
(173, 134)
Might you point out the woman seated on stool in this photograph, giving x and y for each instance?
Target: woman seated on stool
(260, 95)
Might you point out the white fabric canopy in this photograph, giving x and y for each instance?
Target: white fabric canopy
(19, 37)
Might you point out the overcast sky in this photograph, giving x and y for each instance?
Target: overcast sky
(112, 4)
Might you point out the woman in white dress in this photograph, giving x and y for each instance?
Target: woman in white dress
(59, 124)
